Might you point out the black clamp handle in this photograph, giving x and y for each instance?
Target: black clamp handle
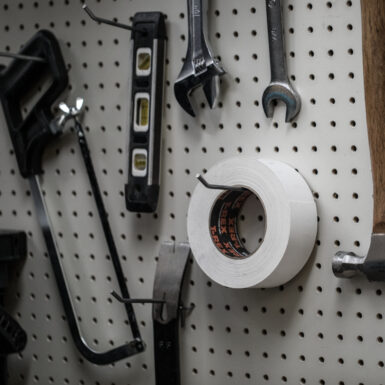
(13, 338)
(31, 134)
(13, 247)
(168, 283)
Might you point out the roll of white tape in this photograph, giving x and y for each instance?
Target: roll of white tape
(290, 218)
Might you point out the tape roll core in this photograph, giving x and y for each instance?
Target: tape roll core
(290, 227)
(224, 224)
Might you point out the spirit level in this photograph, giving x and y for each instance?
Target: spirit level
(146, 104)
(146, 95)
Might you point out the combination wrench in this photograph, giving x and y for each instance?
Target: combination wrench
(200, 67)
(279, 87)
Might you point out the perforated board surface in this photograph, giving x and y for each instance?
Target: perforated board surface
(316, 329)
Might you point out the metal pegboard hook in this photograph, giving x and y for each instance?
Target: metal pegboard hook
(22, 57)
(218, 186)
(136, 300)
(185, 311)
(109, 22)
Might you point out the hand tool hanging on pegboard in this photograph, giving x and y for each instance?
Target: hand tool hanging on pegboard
(169, 276)
(168, 311)
(200, 67)
(30, 136)
(148, 43)
(13, 338)
(280, 88)
(347, 264)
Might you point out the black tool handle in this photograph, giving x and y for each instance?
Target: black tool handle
(13, 338)
(166, 350)
(31, 134)
(3, 371)
(168, 283)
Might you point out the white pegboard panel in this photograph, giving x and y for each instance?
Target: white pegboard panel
(317, 329)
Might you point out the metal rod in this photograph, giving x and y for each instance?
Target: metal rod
(217, 186)
(106, 225)
(130, 300)
(109, 22)
(22, 57)
(99, 358)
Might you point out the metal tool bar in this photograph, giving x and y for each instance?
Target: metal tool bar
(280, 88)
(195, 12)
(276, 40)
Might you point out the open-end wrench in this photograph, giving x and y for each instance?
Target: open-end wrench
(200, 68)
(279, 87)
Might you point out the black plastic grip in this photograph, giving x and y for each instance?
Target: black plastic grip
(142, 191)
(13, 247)
(31, 135)
(13, 338)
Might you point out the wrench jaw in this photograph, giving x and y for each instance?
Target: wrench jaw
(208, 78)
(285, 93)
(182, 95)
(211, 85)
(200, 68)
(211, 90)
(184, 86)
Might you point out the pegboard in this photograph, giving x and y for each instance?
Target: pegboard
(316, 329)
